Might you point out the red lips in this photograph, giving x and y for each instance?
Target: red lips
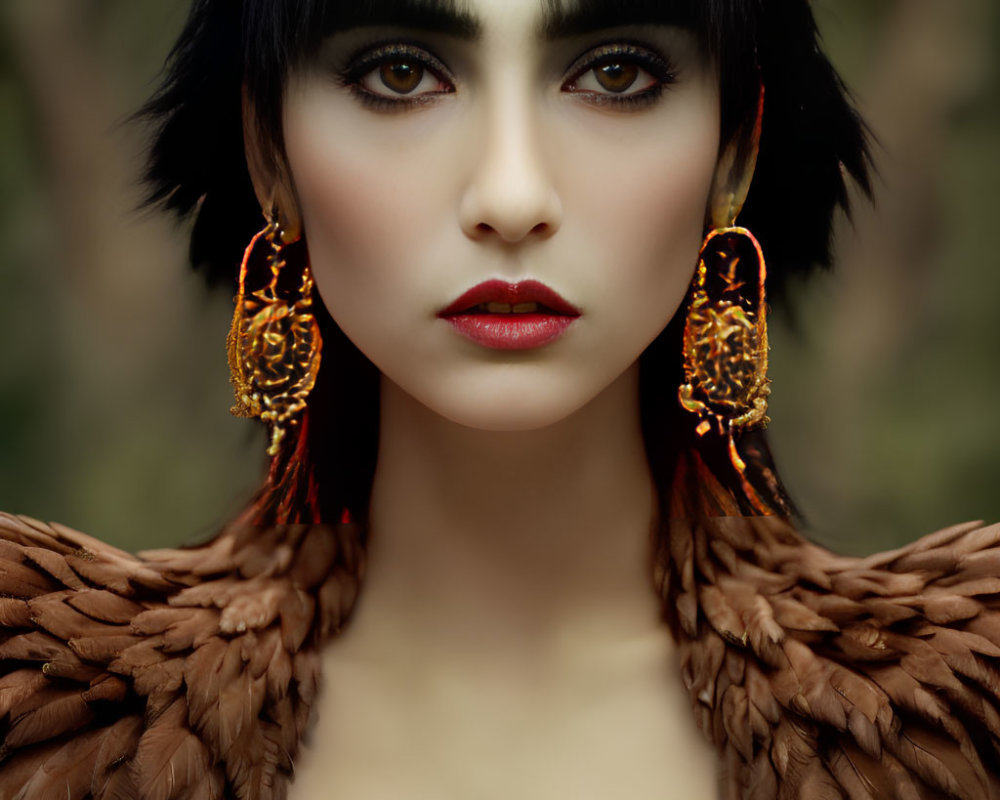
(496, 291)
(516, 328)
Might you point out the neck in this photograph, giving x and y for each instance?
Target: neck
(481, 537)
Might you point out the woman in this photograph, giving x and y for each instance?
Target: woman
(501, 206)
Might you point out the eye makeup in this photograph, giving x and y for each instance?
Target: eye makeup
(395, 65)
(632, 74)
(388, 75)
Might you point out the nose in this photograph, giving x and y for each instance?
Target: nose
(510, 194)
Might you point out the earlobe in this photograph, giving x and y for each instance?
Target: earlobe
(271, 182)
(734, 172)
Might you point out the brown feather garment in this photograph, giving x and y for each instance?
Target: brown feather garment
(182, 675)
(822, 676)
(189, 674)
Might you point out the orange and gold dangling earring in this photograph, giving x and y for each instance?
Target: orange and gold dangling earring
(725, 332)
(725, 338)
(274, 342)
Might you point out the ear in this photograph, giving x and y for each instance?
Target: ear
(271, 182)
(734, 172)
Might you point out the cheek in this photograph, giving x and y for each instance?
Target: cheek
(650, 210)
(346, 207)
(365, 200)
(639, 211)
(356, 197)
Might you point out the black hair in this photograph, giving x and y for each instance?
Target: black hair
(812, 140)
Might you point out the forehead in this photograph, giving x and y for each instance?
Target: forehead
(552, 19)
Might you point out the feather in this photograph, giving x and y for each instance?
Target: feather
(314, 558)
(106, 688)
(136, 658)
(17, 686)
(977, 565)
(764, 634)
(703, 669)
(118, 745)
(14, 613)
(112, 573)
(335, 599)
(946, 609)
(839, 610)
(278, 673)
(938, 763)
(54, 772)
(164, 676)
(67, 711)
(102, 649)
(20, 580)
(252, 611)
(55, 565)
(790, 613)
(170, 760)
(54, 615)
(256, 773)
(721, 613)
(863, 641)
(181, 629)
(32, 646)
(736, 718)
(297, 615)
(853, 773)
(105, 606)
(67, 666)
(306, 671)
(11, 551)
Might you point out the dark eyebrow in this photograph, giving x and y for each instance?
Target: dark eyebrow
(436, 16)
(566, 18)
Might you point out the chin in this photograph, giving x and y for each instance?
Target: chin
(507, 421)
(513, 409)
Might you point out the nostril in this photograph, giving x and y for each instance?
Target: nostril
(539, 229)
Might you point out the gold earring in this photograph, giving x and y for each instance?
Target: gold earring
(725, 339)
(274, 341)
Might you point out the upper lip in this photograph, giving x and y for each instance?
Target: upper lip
(497, 291)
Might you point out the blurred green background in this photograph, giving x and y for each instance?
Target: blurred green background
(113, 382)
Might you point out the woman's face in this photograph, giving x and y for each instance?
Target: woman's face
(501, 150)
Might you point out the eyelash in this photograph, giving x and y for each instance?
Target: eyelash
(364, 63)
(657, 67)
(361, 65)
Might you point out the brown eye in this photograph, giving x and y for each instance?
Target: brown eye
(401, 77)
(616, 76)
(395, 77)
(619, 75)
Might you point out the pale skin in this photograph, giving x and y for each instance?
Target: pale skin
(508, 641)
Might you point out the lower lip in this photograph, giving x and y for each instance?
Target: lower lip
(510, 331)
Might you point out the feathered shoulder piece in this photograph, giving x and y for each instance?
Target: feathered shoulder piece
(190, 674)
(182, 675)
(819, 676)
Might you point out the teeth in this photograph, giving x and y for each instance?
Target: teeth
(507, 308)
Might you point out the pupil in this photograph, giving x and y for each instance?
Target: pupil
(400, 77)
